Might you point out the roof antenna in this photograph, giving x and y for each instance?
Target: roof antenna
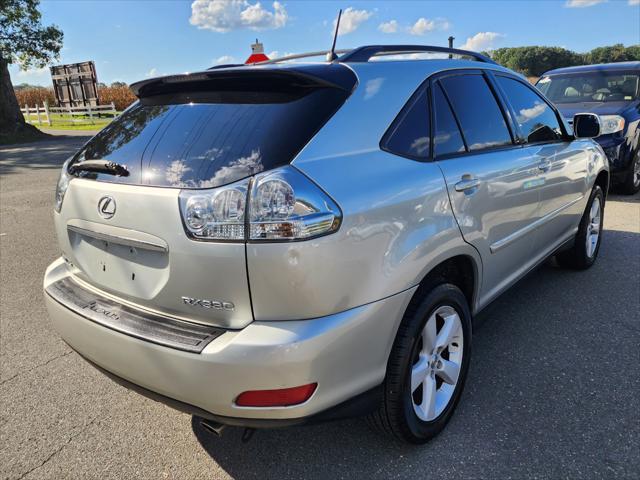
(331, 56)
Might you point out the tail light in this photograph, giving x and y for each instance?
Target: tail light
(278, 205)
(217, 214)
(286, 205)
(61, 187)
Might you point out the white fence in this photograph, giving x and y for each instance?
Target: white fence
(70, 115)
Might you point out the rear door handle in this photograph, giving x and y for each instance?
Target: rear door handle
(467, 183)
(544, 165)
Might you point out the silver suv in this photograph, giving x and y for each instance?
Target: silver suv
(294, 242)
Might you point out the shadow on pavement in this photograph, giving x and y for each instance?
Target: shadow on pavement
(44, 154)
(553, 382)
(614, 197)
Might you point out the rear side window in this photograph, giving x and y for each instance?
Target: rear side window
(480, 117)
(537, 121)
(209, 139)
(446, 136)
(409, 134)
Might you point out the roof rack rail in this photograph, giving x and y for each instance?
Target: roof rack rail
(301, 55)
(364, 54)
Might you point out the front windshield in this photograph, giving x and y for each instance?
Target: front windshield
(597, 86)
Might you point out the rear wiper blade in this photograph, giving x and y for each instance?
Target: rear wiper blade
(100, 166)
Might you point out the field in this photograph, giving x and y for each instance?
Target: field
(118, 96)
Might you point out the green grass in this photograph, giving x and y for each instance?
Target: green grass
(82, 126)
(70, 122)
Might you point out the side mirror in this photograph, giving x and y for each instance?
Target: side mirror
(586, 125)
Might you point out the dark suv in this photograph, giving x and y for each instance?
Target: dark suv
(612, 91)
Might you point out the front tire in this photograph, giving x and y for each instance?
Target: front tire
(427, 366)
(587, 242)
(631, 182)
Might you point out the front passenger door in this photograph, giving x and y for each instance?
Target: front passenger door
(561, 164)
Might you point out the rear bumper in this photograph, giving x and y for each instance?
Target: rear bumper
(345, 353)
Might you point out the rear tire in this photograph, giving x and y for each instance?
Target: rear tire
(631, 182)
(587, 242)
(427, 366)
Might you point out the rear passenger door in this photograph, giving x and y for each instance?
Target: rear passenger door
(492, 182)
(561, 164)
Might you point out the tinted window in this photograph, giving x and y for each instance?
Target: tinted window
(409, 136)
(537, 120)
(210, 139)
(446, 135)
(483, 125)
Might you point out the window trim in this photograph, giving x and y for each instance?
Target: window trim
(565, 137)
(498, 99)
(455, 119)
(506, 108)
(395, 124)
(501, 99)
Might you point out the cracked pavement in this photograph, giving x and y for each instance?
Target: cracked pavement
(553, 391)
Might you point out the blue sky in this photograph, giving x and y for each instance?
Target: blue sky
(132, 40)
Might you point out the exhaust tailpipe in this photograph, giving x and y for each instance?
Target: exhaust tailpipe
(212, 427)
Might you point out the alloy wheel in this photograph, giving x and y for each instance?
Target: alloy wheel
(438, 360)
(593, 228)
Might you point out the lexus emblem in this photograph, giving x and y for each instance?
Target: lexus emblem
(107, 207)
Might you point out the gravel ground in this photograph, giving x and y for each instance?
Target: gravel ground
(553, 390)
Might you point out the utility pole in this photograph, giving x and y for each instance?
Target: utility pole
(451, 39)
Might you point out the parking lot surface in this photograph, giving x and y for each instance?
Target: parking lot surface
(553, 389)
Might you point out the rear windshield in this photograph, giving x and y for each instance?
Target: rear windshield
(597, 86)
(208, 139)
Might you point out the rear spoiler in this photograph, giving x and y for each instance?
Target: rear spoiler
(255, 79)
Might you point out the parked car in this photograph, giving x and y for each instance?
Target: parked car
(612, 91)
(272, 245)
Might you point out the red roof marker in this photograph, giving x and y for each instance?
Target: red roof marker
(257, 54)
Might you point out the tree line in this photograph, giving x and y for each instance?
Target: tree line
(535, 60)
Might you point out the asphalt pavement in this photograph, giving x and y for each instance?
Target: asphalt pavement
(553, 389)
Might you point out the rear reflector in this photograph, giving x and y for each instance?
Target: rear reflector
(276, 398)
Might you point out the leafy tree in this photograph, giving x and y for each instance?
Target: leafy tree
(633, 52)
(118, 84)
(613, 53)
(24, 85)
(23, 40)
(535, 60)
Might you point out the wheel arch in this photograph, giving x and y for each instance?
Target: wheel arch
(602, 180)
(462, 270)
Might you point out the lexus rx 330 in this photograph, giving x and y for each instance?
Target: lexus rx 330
(285, 243)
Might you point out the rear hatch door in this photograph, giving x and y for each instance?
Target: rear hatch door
(124, 234)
